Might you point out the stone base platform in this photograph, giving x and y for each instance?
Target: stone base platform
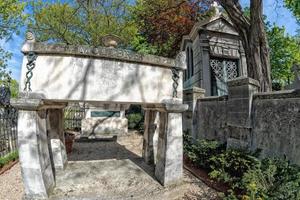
(114, 170)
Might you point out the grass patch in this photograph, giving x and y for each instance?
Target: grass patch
(8, 158)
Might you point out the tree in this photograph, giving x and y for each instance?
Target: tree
(82, 22)
(254, 39)
(11, 18)
(294, 6)
(284, 53)
(13, 86)
(162, 23)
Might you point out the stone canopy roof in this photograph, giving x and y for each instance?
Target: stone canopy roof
(218, 23)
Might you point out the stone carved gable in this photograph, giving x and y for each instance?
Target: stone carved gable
(221, 25)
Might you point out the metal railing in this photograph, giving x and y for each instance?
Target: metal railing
(73, 115)
(8, 130)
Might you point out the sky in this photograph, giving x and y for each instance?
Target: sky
(273, 9)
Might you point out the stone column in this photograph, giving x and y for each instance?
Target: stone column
(34, 154)
(190, 97)
(155, 137)
(150, 127)
(240, 94)
(57, 138)
(169, 166)
(206, 70)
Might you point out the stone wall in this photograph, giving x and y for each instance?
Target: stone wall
(266, 121)
(104, 126)
(276, 124)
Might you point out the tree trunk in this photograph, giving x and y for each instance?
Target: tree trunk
(254, 39)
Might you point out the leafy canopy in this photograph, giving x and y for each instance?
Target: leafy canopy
(294, 6)
(11, 18)
(162, 23)
(285, 52)
(82, 22)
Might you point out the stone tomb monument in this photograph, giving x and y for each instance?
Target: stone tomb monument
(103, 120)
(53, 75)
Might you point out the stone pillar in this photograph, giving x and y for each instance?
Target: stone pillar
(206, 73)
(169, 166)
(57, 138)
(190, 97)
(34, 154)
(150, 127)
(155, 137)
(240, 93)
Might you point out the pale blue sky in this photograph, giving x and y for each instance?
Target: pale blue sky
(273, 9)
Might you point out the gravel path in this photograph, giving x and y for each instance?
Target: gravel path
(11, 186)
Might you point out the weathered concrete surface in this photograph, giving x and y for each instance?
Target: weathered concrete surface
(55, 127)
(276, 124)
(211, 118)
(34, 154)
(149, 131)
(99, 126)
(189, 118)
(169, 164)
(266, 121)
(115, 170)
(135, 81)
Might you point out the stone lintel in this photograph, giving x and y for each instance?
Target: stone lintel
(240, 81)
(214, 98)
(174, 105)
(34, 101)
(27, 104)
(192, 90)
(278, 94)
(99, 52)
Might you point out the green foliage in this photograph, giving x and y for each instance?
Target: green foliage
(135, 121)
(285, 52)
(201, 151)
(11, 18)
(139, 44)
(82, 22)
(13, 86)
(8, 158)
(274, 179)
(294, 6)
(162, 23)
(248, 177)
(230, 165)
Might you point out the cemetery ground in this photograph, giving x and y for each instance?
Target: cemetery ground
(109, 169)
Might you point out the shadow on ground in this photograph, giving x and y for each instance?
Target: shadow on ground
(114, 170)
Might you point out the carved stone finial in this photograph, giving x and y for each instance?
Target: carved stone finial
(111, 41)
(30, 36)
(217, 8)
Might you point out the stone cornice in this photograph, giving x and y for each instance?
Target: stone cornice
(99, 52)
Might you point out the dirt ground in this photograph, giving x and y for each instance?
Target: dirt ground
(115, 170)
(109, 170)
(11, 185)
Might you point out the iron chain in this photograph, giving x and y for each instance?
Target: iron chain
(175, 77)
(31, 57)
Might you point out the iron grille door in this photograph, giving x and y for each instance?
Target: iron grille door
(222, 71)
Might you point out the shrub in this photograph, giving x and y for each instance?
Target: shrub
(200, 151)
(275, 179)
(230, 166)
(8, 158)
(248, 177)
(135, 121)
